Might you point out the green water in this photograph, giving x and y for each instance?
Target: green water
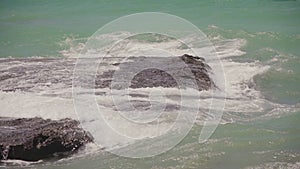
(232, 146)
(271, 29)
(30, 28)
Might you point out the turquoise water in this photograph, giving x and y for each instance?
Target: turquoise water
(232, 146)
(271, 29)
(30, 28)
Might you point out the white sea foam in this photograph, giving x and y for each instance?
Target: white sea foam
(243, 102)
(271, 165)
(19, 162)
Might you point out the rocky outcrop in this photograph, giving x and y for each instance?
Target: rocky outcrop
(167, 73)
(35, 138)
(45, 74)
(32, 139)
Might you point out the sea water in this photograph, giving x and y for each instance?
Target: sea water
(257, 41)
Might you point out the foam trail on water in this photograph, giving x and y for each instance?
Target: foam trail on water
(52, 98)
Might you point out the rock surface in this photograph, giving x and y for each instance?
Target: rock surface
(167, 72)
(45, 74)
(32, 139)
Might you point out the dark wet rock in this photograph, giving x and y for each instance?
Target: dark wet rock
(44, 74)
(168, 72)
(153, 78)
(35, 138)
(32, 139)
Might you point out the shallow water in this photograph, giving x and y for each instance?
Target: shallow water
(257, 41)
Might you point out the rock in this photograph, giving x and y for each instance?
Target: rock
(33, 139)
(167, 71)
(54, 74)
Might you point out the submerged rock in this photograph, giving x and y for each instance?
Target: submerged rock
(33, 139)
(55, 74)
